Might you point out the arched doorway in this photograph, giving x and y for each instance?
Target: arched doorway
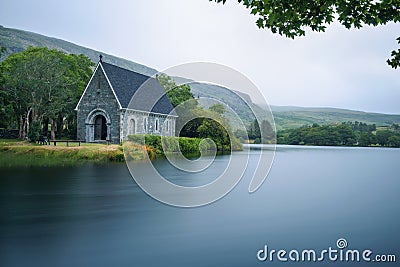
(100, 128)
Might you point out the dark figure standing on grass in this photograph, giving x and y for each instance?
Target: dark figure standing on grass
(44, 140)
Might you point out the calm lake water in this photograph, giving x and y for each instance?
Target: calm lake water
(97, 216)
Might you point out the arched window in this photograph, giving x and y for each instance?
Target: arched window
(132, 127)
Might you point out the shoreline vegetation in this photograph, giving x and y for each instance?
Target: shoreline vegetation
(17, 153)
(351, 134)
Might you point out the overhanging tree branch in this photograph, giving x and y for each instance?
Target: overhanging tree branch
(291, 18)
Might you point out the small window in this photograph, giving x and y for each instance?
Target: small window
(132, 127)
(156, 122)
(98, 82)
(167, 126)
(145, 124)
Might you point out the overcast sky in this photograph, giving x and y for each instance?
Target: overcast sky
(339, 68)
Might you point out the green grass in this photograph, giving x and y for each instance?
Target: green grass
(8, 141)
(14, 153)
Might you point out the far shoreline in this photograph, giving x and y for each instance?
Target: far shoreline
(315, 146)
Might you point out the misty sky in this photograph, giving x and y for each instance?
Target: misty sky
(339, 68)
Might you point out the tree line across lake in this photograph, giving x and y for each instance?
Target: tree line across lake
(339, 134)
(343, 134)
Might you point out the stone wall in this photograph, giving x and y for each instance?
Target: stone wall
(136, 122)
(98, 97)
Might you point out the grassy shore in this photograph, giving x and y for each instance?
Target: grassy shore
(14, 153)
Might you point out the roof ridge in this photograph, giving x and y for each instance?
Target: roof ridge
(126, 84)
(126, 69)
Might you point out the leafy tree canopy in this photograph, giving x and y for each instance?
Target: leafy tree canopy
(41, 84)
(196, 122)
(344, 134)
(290, 17)
(2, 50)
(218, 108)
(177, 94)
(395, 60)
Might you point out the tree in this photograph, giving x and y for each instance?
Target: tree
(241, 134)
(44, 85)
(394, 62)
(263, 133)
(6, 110)
(366, 139)
(290, 18)
(2, 50)
(34, 131)
(382, 137)
(267, 131)
(339, 135)
(194, 121)
(216, 131)
(218, 108)
(394, 141)
(184, 103)
(254, 130)
(346, 134)
(185, 122)
(177, 94)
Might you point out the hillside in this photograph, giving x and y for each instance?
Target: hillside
(293, 117)
(17, 40)
(240, 103)
(285, 117)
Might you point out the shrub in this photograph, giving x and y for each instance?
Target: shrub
(34, 131)
(158, 146)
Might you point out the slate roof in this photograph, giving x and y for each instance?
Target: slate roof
(149, 95)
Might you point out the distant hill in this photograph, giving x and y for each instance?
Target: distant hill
(285, 117)
(17, 40)
(293, 117)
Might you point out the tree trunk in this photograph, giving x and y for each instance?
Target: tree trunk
(27, 122)
(21, 133)
(59, 125)
(45, 129)
(53, 129)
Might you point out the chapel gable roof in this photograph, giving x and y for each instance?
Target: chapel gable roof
(126, 84)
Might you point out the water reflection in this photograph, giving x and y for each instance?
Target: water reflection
(97, 216)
